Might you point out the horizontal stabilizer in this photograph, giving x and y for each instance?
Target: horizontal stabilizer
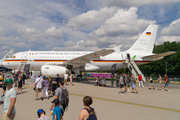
(159, 55)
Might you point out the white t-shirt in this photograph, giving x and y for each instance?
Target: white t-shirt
(11, 93)
(39, 82)
(65, 76)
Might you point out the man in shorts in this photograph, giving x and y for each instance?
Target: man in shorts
(9, 101)
(38, 87)
(121, 84)
(65, 78)
(166, 83)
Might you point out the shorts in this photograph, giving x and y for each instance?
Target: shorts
(4, 87)
(124, 84)
(166, 84)
(38, 90)
(151, 83)
(121, 85)
(133, 85)
(65, 80)
(11, 116)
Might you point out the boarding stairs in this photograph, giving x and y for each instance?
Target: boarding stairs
(134, 69)
(22, 62)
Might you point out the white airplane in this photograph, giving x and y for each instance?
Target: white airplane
(51, 63)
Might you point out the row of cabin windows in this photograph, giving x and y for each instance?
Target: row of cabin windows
(60, 53)
(57, 56)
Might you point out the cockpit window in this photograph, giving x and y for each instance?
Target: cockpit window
(13, 57)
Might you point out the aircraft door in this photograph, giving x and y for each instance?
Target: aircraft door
(124, 57)
(31, 60)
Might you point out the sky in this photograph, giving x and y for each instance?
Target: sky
(84, 25)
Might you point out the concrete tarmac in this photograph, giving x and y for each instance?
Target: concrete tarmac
(146, 105)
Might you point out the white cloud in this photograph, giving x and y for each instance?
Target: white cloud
(30, 34)
(137, 3)
(91, 18)
(171, 33)
(53, 32)
(169, 38)
(124, 22)
(172, 29)
(4, 47)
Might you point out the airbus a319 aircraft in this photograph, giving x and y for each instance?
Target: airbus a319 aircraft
(51, 63)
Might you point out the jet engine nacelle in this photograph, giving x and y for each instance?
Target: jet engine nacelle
(52, 71)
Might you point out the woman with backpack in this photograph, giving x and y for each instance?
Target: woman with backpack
(87, 113)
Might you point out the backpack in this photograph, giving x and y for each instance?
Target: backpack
(65, 98)
(92, 116)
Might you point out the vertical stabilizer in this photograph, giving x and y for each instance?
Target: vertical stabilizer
(8, 55)
(145, 42)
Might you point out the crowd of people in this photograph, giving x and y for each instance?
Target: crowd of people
(124, 81)
(46, 87)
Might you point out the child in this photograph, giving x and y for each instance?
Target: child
(57, 112)
(151, 83)
(133, 84)
(41, 115)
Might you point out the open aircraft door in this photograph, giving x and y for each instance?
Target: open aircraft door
(31, 60)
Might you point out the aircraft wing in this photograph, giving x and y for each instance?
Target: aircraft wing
(160, 55)
(88, 57)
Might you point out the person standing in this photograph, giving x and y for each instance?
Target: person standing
(65, 78)
(19, 84)
(50, 85)
(87, 113)
(166, 83)
(23, 78)
(160, 82)
(63, 95)
(9, 101)
(38, 86)
(125, 82)
(117, 79)
(140, 81)
(151, 83)
(45, 87)
(58, 79)
(57, 111)
(71, 78)
(121, 84)
(133, 81)
(112, 80)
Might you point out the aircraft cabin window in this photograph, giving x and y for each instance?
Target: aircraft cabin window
(14, 56)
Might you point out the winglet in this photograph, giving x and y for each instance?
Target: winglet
(116, 49)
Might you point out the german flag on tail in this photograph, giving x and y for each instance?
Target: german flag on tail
(148, 33)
